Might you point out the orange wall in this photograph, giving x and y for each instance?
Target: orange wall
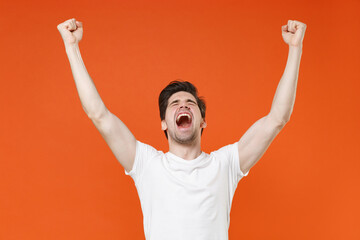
(58, 178)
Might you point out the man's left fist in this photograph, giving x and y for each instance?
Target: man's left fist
(293, 33)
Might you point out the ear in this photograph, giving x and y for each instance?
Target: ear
(163, 125)
(203, 124)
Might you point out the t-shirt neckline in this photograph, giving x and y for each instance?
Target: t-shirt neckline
(175, 158)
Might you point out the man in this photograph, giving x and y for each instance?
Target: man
(186, 193)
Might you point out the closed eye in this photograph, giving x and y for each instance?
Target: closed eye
(188, 101)
(174, 103)
(191, 102)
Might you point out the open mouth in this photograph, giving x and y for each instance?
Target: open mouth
(183, 120)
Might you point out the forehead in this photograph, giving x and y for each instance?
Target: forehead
(181, 96)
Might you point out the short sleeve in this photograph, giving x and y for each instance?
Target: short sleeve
(230, 155)
(236, 161)
(143, 155)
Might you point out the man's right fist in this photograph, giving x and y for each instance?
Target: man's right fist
(71, 31)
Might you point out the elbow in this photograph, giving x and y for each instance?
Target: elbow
(284, 121)
(279, 122)
(279, 116)
(96, 115)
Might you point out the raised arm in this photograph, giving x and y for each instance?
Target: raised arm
(118, 137)
(257, 139)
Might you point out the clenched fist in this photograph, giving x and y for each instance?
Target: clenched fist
(293, 33)
(71, 31)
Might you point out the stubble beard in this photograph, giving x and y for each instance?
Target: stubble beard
(185, 140)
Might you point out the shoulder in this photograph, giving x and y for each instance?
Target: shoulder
(146, 149)
(144, 155)
(229, 149)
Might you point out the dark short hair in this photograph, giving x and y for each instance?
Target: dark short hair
(178, 86)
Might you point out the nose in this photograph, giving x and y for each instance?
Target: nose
(184, 106)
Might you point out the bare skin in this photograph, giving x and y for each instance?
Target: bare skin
(118, 137)
(185, 142)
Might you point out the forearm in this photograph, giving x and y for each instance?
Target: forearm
(89, 96)
(284, 99)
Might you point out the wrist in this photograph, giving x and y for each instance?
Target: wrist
(71, 47)
(295, 48)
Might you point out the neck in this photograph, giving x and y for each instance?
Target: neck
(187, 151)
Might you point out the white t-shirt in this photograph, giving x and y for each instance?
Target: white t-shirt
(186, 199)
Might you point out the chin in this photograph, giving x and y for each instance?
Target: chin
(185, 139)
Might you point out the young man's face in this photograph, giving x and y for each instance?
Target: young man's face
(183, 121)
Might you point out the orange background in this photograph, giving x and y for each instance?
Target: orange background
(59, 179)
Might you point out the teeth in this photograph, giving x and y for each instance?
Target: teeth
(183, 114)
